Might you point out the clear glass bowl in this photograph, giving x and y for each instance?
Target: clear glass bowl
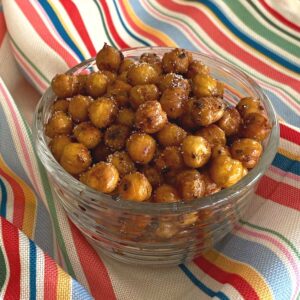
(147, 233)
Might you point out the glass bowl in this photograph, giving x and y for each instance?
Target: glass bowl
(157, 234)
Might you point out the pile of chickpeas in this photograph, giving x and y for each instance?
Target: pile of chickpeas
(153, 129)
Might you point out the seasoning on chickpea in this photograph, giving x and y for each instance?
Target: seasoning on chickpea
(122, 162)
(219, 150)
(166, 194)
(213, 134)
(59, 123)
(197, 67)
(58, 144)
(111, 76)
(142, 93)
(115, 136)
(87, 134)
(249, 105)
(186, 119)
(142, 73)
(126, 117)
(109, 58)
(154, 177)
(230, 121)
(96, 84)
(204, 85)
(64, 85)
(78, 108)
(150, 117)
(169, 158)
(176, 61)
(135, 187)
(154, 60)
(210, 186)
(172, 80)
(60, 105)
(119, 90)
(171, 135)
(126, 64)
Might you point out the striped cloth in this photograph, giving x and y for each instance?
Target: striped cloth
(42, 254)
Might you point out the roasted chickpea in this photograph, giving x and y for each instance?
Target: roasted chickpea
(170, 175)
(186, 119)
(204, 86)
(135, 186)
(172, 101)
(78, 108)
(231, 121)
(141, 148)
(197, 67)
(219, 150)
(119, 90)
(122, 162)
(154, 60)
(64, 85)
(166, 194)
(166, 230)
(208, 110)
(142, 73)
(249, 105)
(142, 93)
(256, 126)
(123, 76)
(188, 219)
(150, 117)
(102, 112)
(176, 61)
(58, 144)
(100, 153)
(126, 117)
(213, 134)
(60, 105)
(170, 158)
(134, 226)
(153, 176)
(115, 136)
(171, 135)
(196, 151)
(172, 80)
(247, 151)
(59, 123)
(190, 185)
(219, 89)
(210, 186)
(96, 84)
(126, 64)
(226, 171)
(109, 58)
(87, 134)
(81, 78)
(102, 177)
(75, 158)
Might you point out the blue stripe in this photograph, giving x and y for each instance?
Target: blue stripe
(79, 292)
(56, 22)
(286, 164)
(200, 285)
(32, 253)
(249, 40)
(3, 199)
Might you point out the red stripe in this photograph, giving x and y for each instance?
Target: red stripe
(289, 134)
(227, 44)
(50, 278)
(19, 199)
(75, 16)
(2, 27)
(278, 16)
(10, 237)
(238, 282)
(94, 269)
(39, 25)
(279, 192)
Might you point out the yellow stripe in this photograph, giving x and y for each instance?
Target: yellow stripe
(248, 273)
(63, 285)
(151, 30)
(288, 154)
(30, 201)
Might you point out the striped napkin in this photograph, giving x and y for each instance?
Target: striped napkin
(42, 254)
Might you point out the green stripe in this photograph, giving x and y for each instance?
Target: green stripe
(2, 269)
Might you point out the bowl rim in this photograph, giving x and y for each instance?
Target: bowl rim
(67, 180)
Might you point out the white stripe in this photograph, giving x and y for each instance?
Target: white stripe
(3, 290)
(24, 266)
(290, 147)
(40, 273)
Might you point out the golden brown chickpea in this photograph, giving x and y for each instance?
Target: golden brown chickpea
(166, 194)
(81, 83)
(87, 134)
(59, 123)
(58, 144)
(115, 136)
(100, 153)
(256, 126)
(102, 177)
(111, 77)
(75, 158)
(119, 90)
(60, 105)
(96, 84)
(172, 101)
(141, 148)
(188, 219)
(247, 151)
(170, 158)
(150, 117)
(172, 80)
(219, 89)
(196, 151)
(166, 230)
(197, 67)
(65, 85)
(122, 162)
(208, 110)
(210, 186)
(109, 58)
(219, 150)
(190, 185)
(123, 76)
(225, 171)
(135, 186)
(142, 93)
(204, 86)
(78, 108)
(213, 134)
(249, 105)
(154, 60)
(186, 119)
(126, 64)
(231, 121)
(176, 61)
(153, 176)
(171, 135)
(134, 226)
(142, 73)
(103, 112)
(126, 117)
